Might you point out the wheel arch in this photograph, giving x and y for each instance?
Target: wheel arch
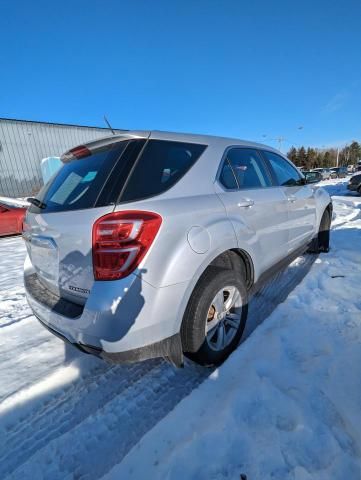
(329, 209)
(323, 203)
(236, 259)
(233, 258)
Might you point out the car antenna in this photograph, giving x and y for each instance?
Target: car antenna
(109, 126)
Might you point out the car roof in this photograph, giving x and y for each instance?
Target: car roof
(206, 139)
(177, 136)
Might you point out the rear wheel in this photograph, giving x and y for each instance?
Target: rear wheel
(215, 317)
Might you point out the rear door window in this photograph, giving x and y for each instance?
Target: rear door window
(161, 165)
(244, 169)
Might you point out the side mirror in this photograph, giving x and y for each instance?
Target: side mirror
(311, 177)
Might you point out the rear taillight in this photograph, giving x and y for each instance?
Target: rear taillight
(120, 241)
(78, 152)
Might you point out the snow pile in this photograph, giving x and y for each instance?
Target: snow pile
(286, 405)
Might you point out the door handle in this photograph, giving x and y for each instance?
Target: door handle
(245, 202)
(291, 198)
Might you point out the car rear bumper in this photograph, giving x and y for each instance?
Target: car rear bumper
(169, 348)
(121, 321)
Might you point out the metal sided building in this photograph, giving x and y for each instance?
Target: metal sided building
(23, 144)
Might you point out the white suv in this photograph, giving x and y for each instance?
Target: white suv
(150, 244)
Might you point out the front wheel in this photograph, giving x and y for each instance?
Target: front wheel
(215, 316)
(321, 243)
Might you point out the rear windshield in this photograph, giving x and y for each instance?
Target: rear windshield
(126, 171)
(79, 183)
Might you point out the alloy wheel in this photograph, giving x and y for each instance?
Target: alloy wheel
(223, 318)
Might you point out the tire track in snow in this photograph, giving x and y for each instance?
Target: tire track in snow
(276, 292)
(28, 353)
(13, 307)
(109, 429)
(66, 410)
(13, 252)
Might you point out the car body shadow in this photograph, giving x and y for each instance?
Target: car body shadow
(266, 300)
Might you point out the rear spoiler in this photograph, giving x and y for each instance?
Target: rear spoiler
(87, 149)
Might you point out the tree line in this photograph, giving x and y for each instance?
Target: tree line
(314, 158)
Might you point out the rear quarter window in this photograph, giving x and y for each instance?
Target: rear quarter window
(161, 165)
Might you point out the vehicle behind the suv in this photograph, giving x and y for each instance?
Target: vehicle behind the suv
(354, 184)
(339, 172)
(150, 244)
(312, 176)
(325, 172)
(12, 213)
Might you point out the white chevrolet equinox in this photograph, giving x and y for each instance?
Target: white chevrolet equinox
(150, 244)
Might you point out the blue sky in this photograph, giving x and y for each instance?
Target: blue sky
(235, 68)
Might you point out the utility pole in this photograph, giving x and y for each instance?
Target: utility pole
(280, 140)
(338, 154)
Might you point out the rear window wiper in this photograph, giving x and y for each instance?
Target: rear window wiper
(36, 202)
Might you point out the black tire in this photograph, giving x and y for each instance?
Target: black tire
(193, 330)
(359, 190)
(321, 244)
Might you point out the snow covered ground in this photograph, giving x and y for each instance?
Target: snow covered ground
(286, 405)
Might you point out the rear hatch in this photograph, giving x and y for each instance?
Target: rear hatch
(58, 225)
